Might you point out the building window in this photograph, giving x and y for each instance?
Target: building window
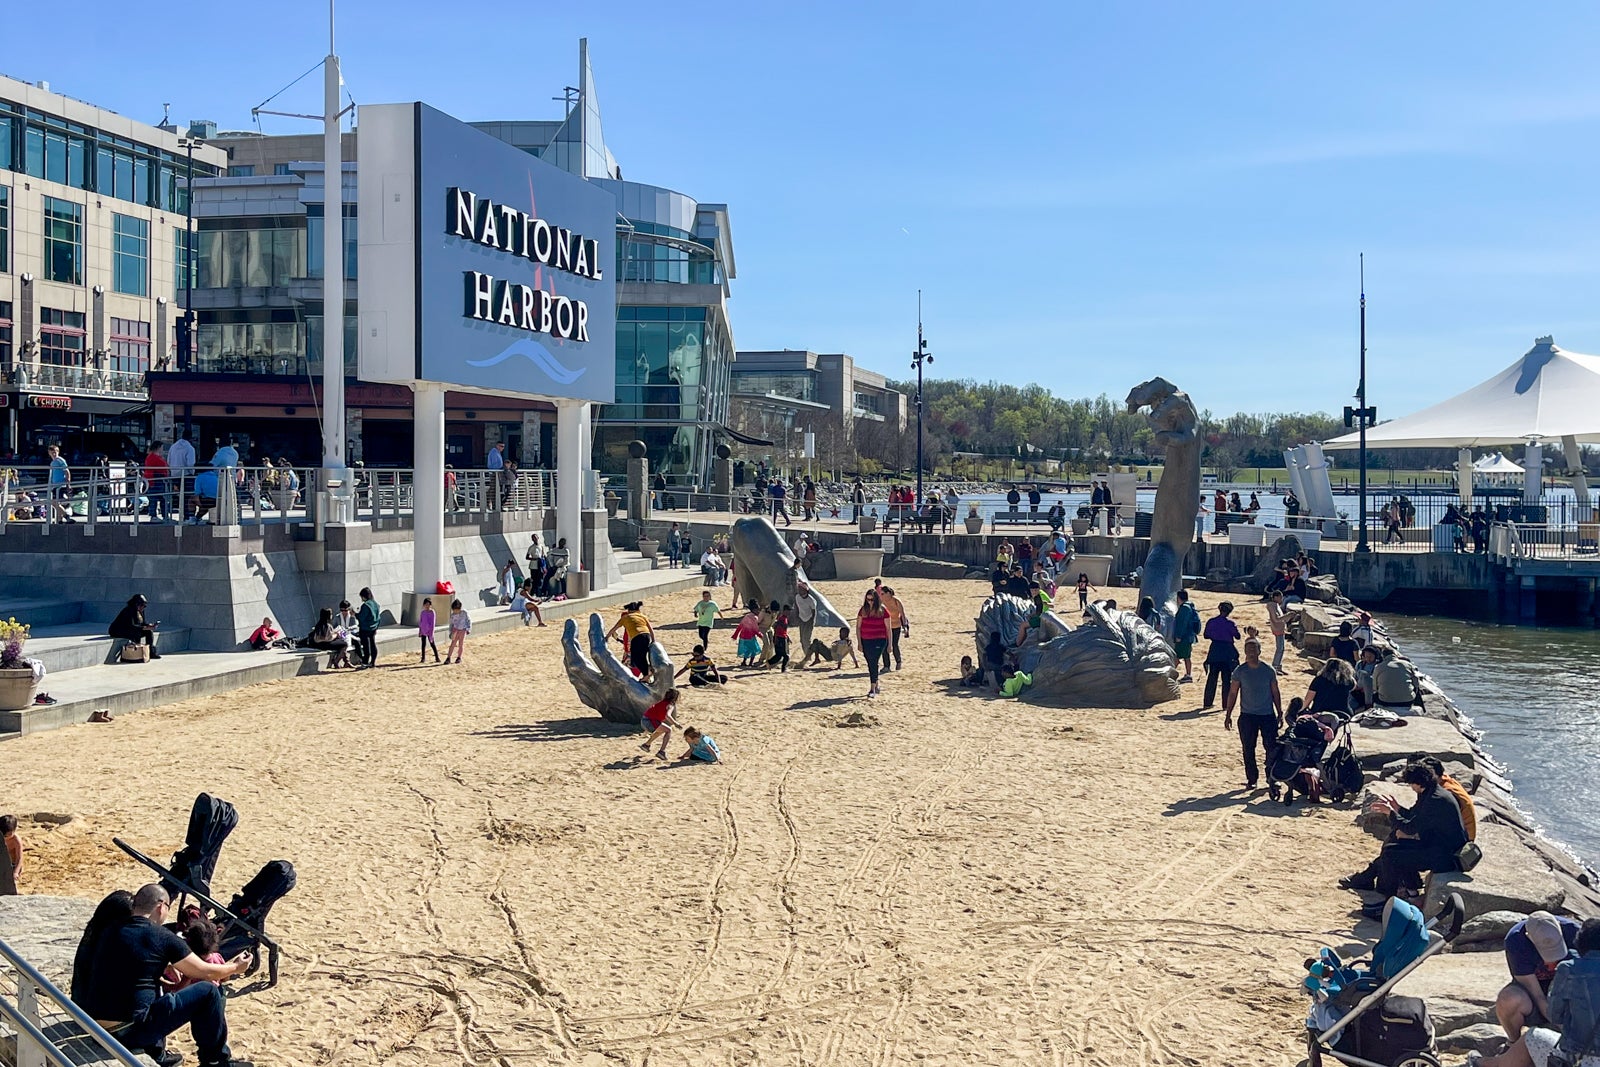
(250, 257)
(314, 242)
(130, 346)
(241, 172)
(5, 334)
(869, 403)
(8, 130)
(130, 255)
(63, 241)
(182, 260)
(5, 229)
(280, 168)
(61, 337)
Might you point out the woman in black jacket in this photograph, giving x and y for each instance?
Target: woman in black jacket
(1425, 837)
(130, 625)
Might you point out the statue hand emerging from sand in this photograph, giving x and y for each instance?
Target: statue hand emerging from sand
(1113, 660)
(604, 683)
(1173, 418)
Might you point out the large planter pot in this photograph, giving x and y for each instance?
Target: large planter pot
(647, 547)
(283, 500)
(974, 524)
(1080, 527)
(854, 564)
(16, 688)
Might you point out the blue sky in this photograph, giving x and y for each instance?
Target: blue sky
(1087, 195)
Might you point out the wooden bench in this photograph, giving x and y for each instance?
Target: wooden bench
(1015, 517)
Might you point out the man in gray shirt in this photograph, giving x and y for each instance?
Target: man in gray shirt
(1254, 689)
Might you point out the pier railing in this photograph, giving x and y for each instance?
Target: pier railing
(1512, 541)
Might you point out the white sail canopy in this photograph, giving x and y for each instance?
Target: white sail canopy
(1546, 395)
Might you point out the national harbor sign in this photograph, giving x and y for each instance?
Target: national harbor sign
(481, 267)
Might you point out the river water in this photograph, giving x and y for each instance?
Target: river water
(1532, 692)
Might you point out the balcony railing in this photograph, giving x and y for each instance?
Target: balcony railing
(251, 496)
(90, 380)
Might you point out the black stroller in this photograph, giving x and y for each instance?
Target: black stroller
(1315, 756)
(242, 924)
(1354, 1018)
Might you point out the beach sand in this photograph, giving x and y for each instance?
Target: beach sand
(489, 873)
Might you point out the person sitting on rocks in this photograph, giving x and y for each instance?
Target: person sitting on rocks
(1469, 811)
(123, 987)
(1573, 1012)
(1426, 837)
(1534, 948)
(1394, 683)
(1333, 689)
(129, 625)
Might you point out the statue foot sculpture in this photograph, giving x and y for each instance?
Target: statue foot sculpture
(604, 683)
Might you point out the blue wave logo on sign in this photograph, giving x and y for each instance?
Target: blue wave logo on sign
(538, 355)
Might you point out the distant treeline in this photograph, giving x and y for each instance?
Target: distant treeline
(1029, 422)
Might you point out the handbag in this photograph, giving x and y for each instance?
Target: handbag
(1468, 856)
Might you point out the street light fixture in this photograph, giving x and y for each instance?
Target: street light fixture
(918, 358)
(1362, 416)
(186, 329)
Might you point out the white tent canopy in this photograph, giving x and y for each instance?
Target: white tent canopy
(1496, 463)
(1546, 395)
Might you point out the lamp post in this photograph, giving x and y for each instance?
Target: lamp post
(186, 324)
(1362, 416)
(918, 358)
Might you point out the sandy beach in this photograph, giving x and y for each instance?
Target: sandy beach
(489, 873)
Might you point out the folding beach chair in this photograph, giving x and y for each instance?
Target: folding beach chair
(242, 924)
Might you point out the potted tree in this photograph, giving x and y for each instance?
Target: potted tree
(16, 677)
(974, 520)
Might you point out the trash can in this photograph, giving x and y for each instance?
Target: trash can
(578, 584)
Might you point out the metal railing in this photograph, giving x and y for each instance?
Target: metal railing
(119, 493)
(78, 379)
(1512, 541)
(46, 1026)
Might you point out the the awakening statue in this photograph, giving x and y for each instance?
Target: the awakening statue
(604, 683)
(1175, 422)
(1113, 660)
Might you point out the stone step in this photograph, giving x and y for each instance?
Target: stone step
(69, 648)
(121, 688)
(635, 565)
(40, 613)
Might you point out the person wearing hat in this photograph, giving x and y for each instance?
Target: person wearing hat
(1534, 948)
(131, 627)
(1363, 630)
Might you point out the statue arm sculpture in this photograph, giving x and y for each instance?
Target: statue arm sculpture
(604, 683)
(1176, 424)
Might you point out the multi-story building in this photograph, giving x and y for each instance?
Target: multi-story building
(92, 232)
(782, 395)
(259, 301)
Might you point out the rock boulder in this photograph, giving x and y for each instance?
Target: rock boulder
(1512, 877)
(45, 931)
(917, 567)
(1377, 747)
(1486, 931)
(1459, 988)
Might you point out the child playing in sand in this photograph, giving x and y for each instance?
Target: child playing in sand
(425, 622)
(659, 720)
(525, 603)
(1083, 591)
(460, 627)
(780, 641)
(701, 670)
(822, 652)
(13, 855)
(748, 636)
(705, 615)
(702, 749)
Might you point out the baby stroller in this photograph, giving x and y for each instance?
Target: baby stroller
(242, 924)
(1353, 1017)
(1314, 756)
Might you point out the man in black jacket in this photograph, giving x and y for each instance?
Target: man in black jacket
(1425, 837)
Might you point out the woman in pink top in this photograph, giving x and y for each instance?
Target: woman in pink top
(872, 633)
